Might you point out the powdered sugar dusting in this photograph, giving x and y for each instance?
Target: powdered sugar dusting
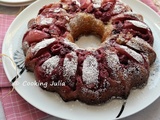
(77, 2)
(139, 17)
(46, 21)
(132, 70)
(139, 44)
(44, 43)
(49, 65)
(90, 70)
(42, 20)
(154, 75)
(94, 93)
(134, 54)
(74, 46)
(112, 60)
(57, 10)
(138, 24)
(97, 3)
(118, 8)
(70, 65)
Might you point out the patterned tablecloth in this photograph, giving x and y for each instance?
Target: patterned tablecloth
(16, 108)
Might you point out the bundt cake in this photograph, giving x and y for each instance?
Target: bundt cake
(93, 76)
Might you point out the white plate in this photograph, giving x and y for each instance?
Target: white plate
(52, 104)
(15, 3)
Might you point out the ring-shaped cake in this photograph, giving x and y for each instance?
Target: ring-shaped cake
(93, 76)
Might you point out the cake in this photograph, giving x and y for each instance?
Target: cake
(93, 76)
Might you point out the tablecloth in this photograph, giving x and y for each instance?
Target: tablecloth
(15, 107)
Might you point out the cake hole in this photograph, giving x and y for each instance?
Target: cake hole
(88, 41)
